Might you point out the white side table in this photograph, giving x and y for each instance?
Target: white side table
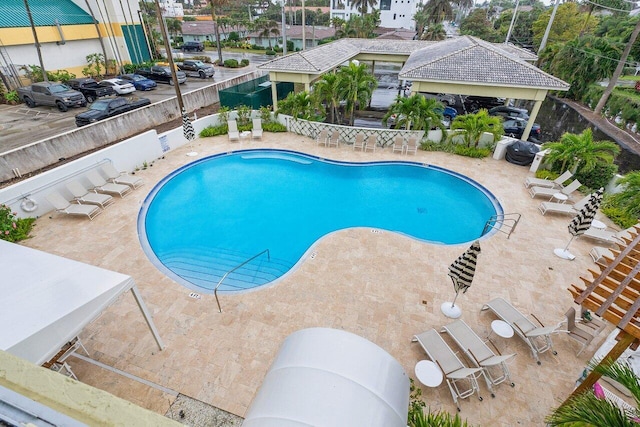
(501, 329)
(428, 373)
(560, 197)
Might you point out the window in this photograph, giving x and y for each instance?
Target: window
(394, 16)
(385, 4)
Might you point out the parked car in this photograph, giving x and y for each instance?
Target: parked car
(52, 94)
(138, 81)
(162, 74)
(474, 103)
(194, 68)
(509, 112)
(119, 86)
(109, 107)
(445, 98)
(192, 47)
(514, 128)
(90, 88)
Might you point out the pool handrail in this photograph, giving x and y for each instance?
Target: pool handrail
(510, 220)
(215, 291)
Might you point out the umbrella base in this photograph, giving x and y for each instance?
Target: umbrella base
(450, 310)
(564, 254)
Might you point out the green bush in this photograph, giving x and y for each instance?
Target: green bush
(214, 131)
(204, 58)
(12, 97)
(598, 177)
(12, 228)
(231, 63)
(476, 153)
(274, 127)
(546, 174)
(269, 52)
(618, 215)
(244, 62)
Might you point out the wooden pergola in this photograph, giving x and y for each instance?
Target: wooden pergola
(614, 294)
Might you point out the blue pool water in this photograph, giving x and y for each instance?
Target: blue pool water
(208, 217)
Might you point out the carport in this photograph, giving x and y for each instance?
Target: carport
(462, 66)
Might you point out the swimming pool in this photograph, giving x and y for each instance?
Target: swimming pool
(211, 215)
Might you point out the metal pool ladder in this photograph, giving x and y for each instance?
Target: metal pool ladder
(215, 291)
(497, 221)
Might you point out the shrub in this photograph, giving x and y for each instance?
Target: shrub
(12, 228)
(546, 174)
(476, 153)
(231, 63)
(12, 97)
(214, 131)
(274, 127)
(204, 58)
(244, 62)
(598, 177)
(620, 216)
(269, 52)
(265, 114)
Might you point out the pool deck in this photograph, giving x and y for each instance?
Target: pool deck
(379, 285)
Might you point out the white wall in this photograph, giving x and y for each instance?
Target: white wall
(55, 57)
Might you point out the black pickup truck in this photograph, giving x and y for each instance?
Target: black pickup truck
(109, 107)
(90, 88)
(161, 74)
(194, 68)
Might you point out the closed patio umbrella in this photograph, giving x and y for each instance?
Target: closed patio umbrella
(188, 131)
(461, 272)
(581, 223)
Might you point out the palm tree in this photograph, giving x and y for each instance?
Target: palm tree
(269, 27)
(590, 409)
(416, 112)
(629, 198)
(474, 125)
(434, 32)
(421, 18)
(438, 10)
(359, 84)
(363, 5)
(329, 90)
(298, 105)
(214, 5)
(174, 27)
(581, 152)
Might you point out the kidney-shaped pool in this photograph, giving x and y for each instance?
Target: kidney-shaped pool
(211, 216)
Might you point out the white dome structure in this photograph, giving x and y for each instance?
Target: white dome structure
(331, 378)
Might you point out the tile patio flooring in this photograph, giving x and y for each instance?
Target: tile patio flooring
(381, 286)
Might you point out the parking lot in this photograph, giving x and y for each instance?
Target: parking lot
(20, 125)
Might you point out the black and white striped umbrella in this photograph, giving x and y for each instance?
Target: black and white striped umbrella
(581, 222)
(187, 127)
(464, 268)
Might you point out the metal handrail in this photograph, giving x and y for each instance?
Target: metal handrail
(502, 219)
(215, 291)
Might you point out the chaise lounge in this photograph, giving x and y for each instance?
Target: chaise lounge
(64, 206)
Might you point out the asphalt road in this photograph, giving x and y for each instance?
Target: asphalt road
(20, 125)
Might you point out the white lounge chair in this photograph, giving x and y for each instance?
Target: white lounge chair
(455, 372)
(64, 206)
(398, 144)
(233, 133)
(256, 131)
(538, 338)
(371, 143)
(101, 185)
(359, 142)
(610, 237)
(334, 139)
(412, 145)
(82, 195)
(549, 192)
(563, 208)
(494, 367)
(601, 255)
(114, 175)
(551, 183)
(321, 138)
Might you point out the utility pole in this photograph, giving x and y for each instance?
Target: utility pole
(304, 39)
(543, 44)
(167, 46)
(35, 38)
(513, 21)
(284, 29)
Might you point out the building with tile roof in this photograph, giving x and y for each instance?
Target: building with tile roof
(461, 66)
(313, 36)
(205, 30)
(68, 31)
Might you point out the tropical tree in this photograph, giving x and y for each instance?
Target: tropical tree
(359, 85)
(591, 408)
(628, 199)
(174, 27)
(474, 125)
(267, 29)
(571, 19)
(579, 152)
(300, 105)
(437, 11)
(478, 25)
(328, 90)
(416, 112)
(215, 5)
(434, 32)
(363, 5)
(421, 18)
